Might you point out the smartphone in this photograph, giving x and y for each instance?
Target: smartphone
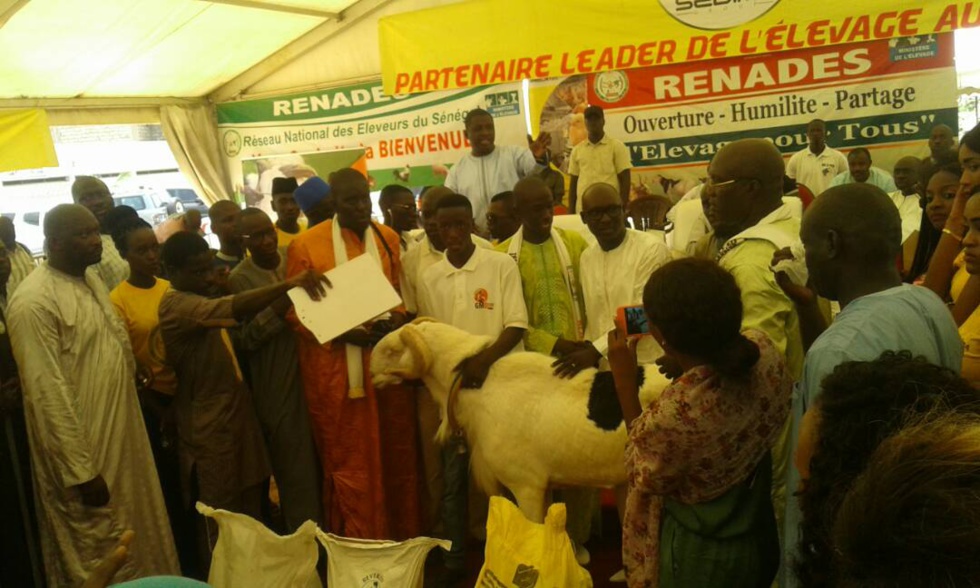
(635, 319)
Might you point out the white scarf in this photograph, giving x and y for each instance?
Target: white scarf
(355, 355)
(568, 272)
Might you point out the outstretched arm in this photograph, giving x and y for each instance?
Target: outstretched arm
(622, 363)
(252, 301)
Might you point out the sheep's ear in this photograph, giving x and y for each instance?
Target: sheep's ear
(421, 355)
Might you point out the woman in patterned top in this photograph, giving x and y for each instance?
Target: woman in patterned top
(699, 511)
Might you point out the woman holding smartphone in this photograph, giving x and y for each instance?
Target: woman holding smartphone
(699, 511)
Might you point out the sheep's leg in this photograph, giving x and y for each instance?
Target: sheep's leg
(531, 502)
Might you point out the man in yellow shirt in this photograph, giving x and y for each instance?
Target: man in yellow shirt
(743, 203)
(288, 224)
(597, 160)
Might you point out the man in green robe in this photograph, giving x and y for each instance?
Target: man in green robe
(548, 260)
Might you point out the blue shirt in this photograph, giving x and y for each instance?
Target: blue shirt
(903, 318)
(878, 177)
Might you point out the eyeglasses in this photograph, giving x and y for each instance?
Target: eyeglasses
(710, 184)
(596, 214)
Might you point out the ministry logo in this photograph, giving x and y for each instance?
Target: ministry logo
(717, 14)
(232, 143)
(611, 86)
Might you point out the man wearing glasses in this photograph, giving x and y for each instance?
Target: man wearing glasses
(614, 272)
(502, 221)
(277, 389)
(398, 207)
(743, 202)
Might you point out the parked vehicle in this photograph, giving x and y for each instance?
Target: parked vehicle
(29, 227)
(153, 206)
(187, 199)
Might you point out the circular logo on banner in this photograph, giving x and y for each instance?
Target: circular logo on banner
(233, 143)
(611, 86)
(717, 14)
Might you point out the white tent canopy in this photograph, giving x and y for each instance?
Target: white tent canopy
(169, 61)
(107, 54)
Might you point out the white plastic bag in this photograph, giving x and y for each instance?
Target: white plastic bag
(353, 563)
(249, 554)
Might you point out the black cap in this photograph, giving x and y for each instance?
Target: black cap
(594, 112)
(284, 185)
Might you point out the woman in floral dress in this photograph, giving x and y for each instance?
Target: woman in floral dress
(699, 511)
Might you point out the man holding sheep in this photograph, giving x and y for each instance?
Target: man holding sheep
(548, 260)
(428, 251)
(479, 291)
(614, 273)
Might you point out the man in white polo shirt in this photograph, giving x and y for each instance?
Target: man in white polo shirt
(479, 291)
(816, 165)
(425, 253)
(597, 160)
(428, 250)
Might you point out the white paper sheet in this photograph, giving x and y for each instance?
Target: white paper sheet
(360, 293)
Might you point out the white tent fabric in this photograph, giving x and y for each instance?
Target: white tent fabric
(349, 54)
(114, 62)
(67, 48)
(192, 134)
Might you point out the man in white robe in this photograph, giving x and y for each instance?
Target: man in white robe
(907, 197)
(93, 470)
(614, 272)
(490, 169)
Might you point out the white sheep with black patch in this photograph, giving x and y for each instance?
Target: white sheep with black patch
(527, 429)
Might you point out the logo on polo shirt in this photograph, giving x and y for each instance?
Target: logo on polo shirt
(480, 300)
(717, 14)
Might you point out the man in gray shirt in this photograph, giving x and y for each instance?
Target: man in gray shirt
(277, 389)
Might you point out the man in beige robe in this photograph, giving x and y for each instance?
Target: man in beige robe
(93, 470)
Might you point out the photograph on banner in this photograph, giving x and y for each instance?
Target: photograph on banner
(412, 141)
(883, 95)
(257, 174)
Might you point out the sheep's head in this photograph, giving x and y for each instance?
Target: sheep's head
(400, 355)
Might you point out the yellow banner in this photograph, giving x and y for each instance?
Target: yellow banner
(25, 140)
(484, 42)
